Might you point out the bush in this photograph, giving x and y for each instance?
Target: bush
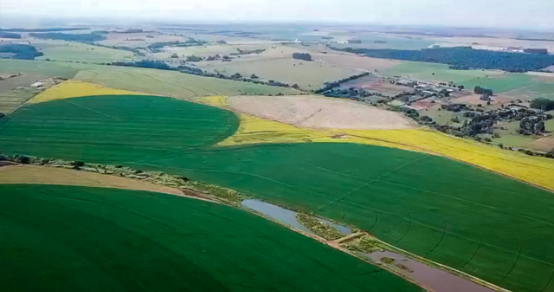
(78, 163)
(24, 160)
(302, 56)
(542, 103)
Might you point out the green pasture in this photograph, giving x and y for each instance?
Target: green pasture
(517, 85)
(435, 72)
(159, 82)
(62, 238)
(78, 52)
(479, 222)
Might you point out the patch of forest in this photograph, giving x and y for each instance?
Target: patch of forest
(9, 35)
(464, 58)
(43, 29)
(20, 51)
(85, 38)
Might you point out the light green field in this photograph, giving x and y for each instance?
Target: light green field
(435, 72)
(10, 100)
(160, 82)
(78, 52)
(65, 238)
(517, 85)
(308, 75)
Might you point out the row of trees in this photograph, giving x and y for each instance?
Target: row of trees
(542, 103)
(464, 58)
(84, 38)
(21, 51)
(481, 90)
(302, 56)
(330, 85)
(9, 35)
(42, 29)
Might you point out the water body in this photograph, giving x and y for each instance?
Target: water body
(280, 214)
(343, 229)
(287, 216)
(436, 279)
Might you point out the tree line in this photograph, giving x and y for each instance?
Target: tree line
(464, 58)
(21, 51)
(9, 35)
(84, 38)
(42, 29)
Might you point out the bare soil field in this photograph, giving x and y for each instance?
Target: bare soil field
(543, 144)
(32, 174)
(318, 112)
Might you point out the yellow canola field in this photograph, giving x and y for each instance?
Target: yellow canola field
(534, 170)
(76, 88)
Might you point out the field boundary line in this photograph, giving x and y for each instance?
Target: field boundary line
(407, 230)
(440, 240)
(479, 245)
(101, 113)
(548, 283)
(517, 258)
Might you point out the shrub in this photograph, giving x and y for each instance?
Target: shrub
(542, 103)
(302, 56)
(78, 163)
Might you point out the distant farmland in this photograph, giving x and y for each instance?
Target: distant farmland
(159, 82)
(63, 238)
(443, 210)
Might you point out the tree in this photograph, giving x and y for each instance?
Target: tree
(542, 104)
(174, 55)
(302, 56)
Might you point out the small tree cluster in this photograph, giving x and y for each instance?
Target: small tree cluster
(302, 56)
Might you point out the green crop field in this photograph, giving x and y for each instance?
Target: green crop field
(159, 82)
(436, 72)
(78, 52)
(517, 85)
(479, 222)
(61, 238)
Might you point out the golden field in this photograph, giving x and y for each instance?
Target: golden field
(76, 88)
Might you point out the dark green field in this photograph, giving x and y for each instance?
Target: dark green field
(485, 224)
(60, 238)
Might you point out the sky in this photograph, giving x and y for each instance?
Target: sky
(526, 14)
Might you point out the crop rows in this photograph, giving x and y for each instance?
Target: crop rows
(65, 238)
(482, 223)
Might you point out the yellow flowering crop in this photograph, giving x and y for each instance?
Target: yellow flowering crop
(75, 88)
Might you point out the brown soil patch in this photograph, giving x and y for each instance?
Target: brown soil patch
(474, 99)
(32, 174)
(543, 144)
(317, 112)
(422, 104)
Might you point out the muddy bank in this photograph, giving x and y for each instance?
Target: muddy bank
(436, 279)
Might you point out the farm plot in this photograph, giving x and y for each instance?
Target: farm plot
(159, 82)
(378, 84)
(437, 208)
(318, 112)
(309, 75)
(436, 72)
(10, 100)
(171, 83)
(120, 123)
(83, 53)
(205, 51)
(79, 238)
(32, 174)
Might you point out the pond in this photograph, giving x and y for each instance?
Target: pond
(287, 216)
